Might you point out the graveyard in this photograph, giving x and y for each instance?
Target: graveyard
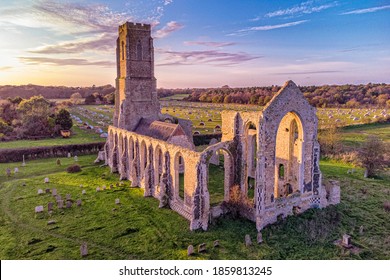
(112, 220)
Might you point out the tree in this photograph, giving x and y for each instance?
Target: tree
(90, 99)
(64, 120)
(373, 155)
(330, 140)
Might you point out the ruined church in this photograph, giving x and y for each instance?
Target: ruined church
(272, 154)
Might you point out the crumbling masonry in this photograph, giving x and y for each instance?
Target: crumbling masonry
(274, 152)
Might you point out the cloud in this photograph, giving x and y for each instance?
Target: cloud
(167, 2)
(103, 42)
(64, 61)
(209, 44)
(211, 57)
(303, 8)
(170, 27)
(268, 27)
(309, 72)
(368, 10)
(5, 68)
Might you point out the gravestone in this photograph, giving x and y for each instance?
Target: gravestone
(98, 189)
(190, 250)
(39, 209)
(54, 192)
(51, 222)
(111, 186)
(16, 170)
(50, 206)
(84, 249)
(104, 188)
(40, 191)
(81, 186)
(58, 161)
(46, 180)
(58, 197)
(216, 243)
(248, 240)
(83, 192)
(68, 196)
(361, 230)
(47, 190)
(76, 158)
(68, 204)
(8, 171)
(201, 247)
(78, 202)
(60, 204)
(117, 201)
(259, 238)
(346, 241)
(69, 155)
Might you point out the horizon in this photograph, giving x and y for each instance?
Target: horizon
(199, 44)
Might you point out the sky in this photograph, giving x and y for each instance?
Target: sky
(198, 43)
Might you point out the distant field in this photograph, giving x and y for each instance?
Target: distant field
(138, 229)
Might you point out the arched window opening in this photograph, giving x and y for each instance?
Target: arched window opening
(123, 50)
(281, 171)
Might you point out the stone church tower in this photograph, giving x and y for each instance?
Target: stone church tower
(136, 95)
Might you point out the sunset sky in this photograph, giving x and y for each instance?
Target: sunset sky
(198, 43)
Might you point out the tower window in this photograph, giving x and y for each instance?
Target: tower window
(281, 171)
(123, 50)
(139, 50)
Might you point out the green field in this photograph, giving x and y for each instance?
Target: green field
(138, 229)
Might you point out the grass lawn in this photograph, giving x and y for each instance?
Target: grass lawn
(138, 229)
(79, 137)
(353, 135)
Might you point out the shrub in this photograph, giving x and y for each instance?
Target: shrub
(74, 168)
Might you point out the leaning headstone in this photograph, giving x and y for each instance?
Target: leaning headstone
(60, 204)
(78, 202)
(361, 230)
(216, 243)
(46, 180)
(84, 249)
(68, 204)
(259, 238)
(98, 189)
(50, 206)
(248, 241)
(117, 201)
(58, 197)
(40, 191)
(83, 192)
(68, 196)
(39, 209)
(201, 247)
(190, 250)
(54, 192)
(47, 190)
(346, 241)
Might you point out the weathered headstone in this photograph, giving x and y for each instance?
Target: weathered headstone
(54, 192)
(190, 250)
(81, 186)
(84, 249)
(76, 158)
(83, 192)
(98, 189)
(361, 230)
(201, 247)
(8, 171)
(47, 190)
(51, 222)
(16, 170)
(78, 202)
(39, 209)
(68, 196)
(58, 161)
(248, 240)
(69, 155)
(46, 180)
(346, 241)
(58, 197)
(60, 204)
(259, 238)
(117, 201)
(50, 206)
(40, 191)
(68, 204)
(216, 243)
(24, 162)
